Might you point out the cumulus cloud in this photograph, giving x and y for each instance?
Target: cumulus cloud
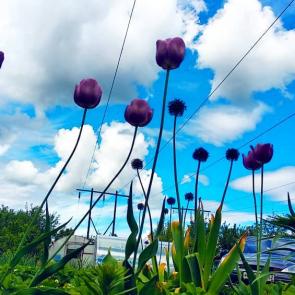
(269, 65)
(223, 124)
(26, 182)
(276, 183)
(77, 41)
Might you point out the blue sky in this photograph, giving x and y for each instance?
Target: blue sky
(39, 119)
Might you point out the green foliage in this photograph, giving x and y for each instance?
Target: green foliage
(14, 223)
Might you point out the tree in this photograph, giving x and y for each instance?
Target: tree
(14, 223)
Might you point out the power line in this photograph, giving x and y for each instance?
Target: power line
(285, 119)
(98, 131)
(218, 86)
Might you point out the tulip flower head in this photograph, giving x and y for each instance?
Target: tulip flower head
(138, 113)
(140, 206)
(189, 196)
(250, 162)
(200, 154)
(1, 58)
(263, 152)
(176, 107)
(87, 94)
(136, 164)
(232, 154)
(170, 201)
(170, 53)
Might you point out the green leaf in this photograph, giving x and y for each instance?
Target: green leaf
(109, 259)
(47, 242)
(225, 268)
(54, 268)
(211, 245)
(251, 275)
(29, 247)
(131, 241)
(290, 206)
(193, 263)
(147, 254)
(161, 222)
(40, 291)
(151, 287)
(200, 242)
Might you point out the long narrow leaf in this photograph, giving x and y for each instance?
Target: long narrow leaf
(47, 242)
(251, 276)
(211, 245)
(226, 267)
(131, 241)
(290, 206)
(193, 263)
(29, 247)
(147, 254)
(54, 268)
(161, 221)
(41, 291)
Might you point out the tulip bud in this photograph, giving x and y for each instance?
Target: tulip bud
(263, 152)
(1, 58)
(138, 113)
(170, 53)
(87, 94)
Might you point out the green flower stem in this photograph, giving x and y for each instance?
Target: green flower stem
(148, 206)
(139, 225)
(256, 215)
(99, 197)
(178, 204)
(37, 213)
(185, 212)
(261, 214)
(175, 173)
(227, 182)
(196, 190)
(154, 165)
(169, 227)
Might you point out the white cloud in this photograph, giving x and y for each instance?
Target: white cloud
(230, 33)
(4, 148)
(224, 124)
(77, 41)
(187, 178)
(26, 182)
(272, 182)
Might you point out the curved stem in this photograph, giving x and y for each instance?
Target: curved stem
(175, 174)
(185, 213)
(196, 190)
(37, 213)
(99, 197)
(154, 165)
(227, 182)
(148, 206)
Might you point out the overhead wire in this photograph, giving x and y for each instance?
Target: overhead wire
(98, 131)
(204, 101)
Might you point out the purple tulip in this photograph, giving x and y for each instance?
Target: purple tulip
(250, 162)
(1, 58)
(87, 94)
(263, 152)
(138, 113)
(170, 53)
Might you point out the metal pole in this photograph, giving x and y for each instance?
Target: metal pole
(115, 211)
(89, 216)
